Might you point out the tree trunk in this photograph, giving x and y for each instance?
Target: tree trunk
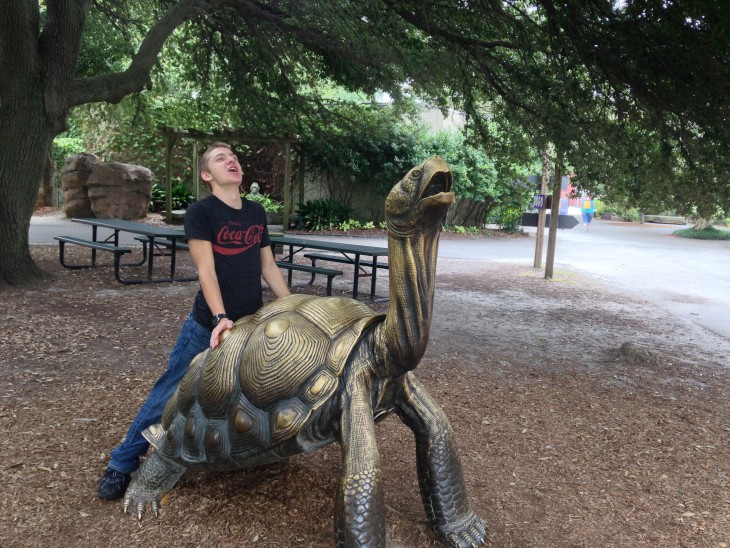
(700, 223)
(38, 58)
(544, 183)
(552, 235)
(45, 191)
(25, 142)
(37, 66)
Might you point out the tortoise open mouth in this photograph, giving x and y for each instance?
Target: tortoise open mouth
(440, 182)
(438, 190)
(420, 197)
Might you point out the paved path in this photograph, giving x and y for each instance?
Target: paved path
(690, 277)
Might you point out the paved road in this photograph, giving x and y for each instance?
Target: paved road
(690, 277)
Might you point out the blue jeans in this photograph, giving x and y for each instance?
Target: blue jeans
(192, 340)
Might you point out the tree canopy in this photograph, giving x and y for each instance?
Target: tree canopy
(614, 85)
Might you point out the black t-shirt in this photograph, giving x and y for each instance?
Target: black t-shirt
(237, 236)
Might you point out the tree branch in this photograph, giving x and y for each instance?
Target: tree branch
(112, 88)
(445, 34)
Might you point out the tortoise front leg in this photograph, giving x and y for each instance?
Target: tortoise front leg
(439, 468)
(157, 476)
(359, 506)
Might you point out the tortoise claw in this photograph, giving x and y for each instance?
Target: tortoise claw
(466, 531)
(136, 503)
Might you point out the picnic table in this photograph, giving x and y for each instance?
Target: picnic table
(344, 253)
(152, 237)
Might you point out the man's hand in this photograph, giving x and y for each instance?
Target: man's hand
(215, 336)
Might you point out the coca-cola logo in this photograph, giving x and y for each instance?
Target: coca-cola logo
(232, 241)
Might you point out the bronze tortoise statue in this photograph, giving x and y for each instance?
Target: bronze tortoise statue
(305, 371)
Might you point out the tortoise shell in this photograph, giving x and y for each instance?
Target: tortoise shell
(259, 388)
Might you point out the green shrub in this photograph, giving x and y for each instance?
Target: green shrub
(322, 214)
(507, 217)
(64, 147)
(181, 197)
(620, 209)
(157, 200)
(632, 215)
(349, 225)
(270, 204)
(707, 233)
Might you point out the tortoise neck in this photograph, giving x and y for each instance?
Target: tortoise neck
(412, 271)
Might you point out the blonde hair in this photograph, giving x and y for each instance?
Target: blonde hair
(205, 157)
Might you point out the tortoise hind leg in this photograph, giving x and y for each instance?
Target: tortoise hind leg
(156, 477)
(439, 468)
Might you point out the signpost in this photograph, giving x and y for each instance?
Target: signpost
(564, 221)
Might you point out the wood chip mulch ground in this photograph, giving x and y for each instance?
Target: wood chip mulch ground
(585, 417)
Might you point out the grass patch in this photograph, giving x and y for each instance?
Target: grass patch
(708, 233)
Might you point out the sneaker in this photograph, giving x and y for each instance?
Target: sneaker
(113, 484)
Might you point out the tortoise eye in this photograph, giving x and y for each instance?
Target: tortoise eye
(416, 174)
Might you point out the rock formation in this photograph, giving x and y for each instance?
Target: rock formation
(120, 191)
(75, 173)
(106, 190)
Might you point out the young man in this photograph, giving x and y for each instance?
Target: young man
(229, 244)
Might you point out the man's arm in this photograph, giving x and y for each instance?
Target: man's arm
(272, 274)
(202, 253)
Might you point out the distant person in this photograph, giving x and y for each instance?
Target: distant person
(230, 246)
(587, 209)
(564, 203)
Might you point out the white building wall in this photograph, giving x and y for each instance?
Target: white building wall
(454, 120)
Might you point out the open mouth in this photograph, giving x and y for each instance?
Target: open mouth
(440, 182)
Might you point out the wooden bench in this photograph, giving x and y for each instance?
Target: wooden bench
(314, 257)
(313, 270)
(94, 246)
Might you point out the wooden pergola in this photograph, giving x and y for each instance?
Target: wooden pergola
(231, 137)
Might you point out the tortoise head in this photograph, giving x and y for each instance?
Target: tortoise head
(421, 199)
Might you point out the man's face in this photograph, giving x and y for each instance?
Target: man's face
(223, 168)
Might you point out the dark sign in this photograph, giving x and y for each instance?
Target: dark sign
(564, 221)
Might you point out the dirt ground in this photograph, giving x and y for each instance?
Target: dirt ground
(585, 417)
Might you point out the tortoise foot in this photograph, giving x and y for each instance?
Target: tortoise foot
(137, 500)
(464, 531)
(157, 476)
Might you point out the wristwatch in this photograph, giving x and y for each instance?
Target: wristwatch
(217, 318)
